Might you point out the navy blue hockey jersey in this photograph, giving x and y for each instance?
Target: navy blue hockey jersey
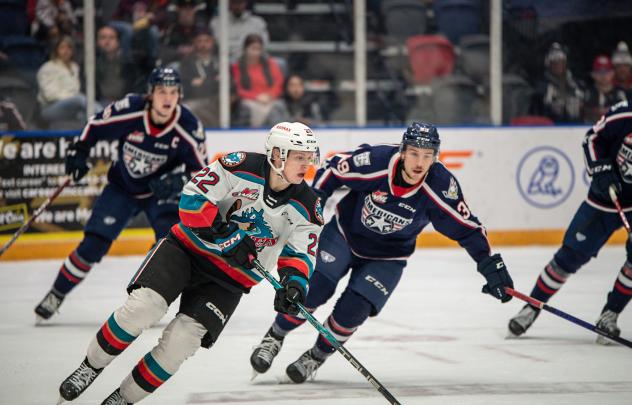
(610, 139)
(378, 224)
(146, 151)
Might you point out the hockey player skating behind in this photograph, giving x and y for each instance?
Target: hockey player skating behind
(608, 154)
(156, 136)
(242, 206)
(395, 191)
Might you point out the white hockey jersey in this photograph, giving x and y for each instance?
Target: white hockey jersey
(285, 226)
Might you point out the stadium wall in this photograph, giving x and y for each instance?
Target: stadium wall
(523, 183)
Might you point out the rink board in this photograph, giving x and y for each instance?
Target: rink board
(524, 184)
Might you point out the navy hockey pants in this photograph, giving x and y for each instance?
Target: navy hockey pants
(111, 213)
(374, 280)
(587, 233)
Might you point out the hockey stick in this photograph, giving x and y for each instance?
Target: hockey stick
(323, 331)
(615, 201)
(539, 304)
(37, 212)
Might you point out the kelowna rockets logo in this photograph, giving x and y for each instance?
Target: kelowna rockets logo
(254, 224)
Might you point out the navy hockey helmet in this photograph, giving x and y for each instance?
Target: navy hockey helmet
(421, 135)
(163, 76)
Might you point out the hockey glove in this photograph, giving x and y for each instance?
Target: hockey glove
(169, 185)
(77, 160)
(495, 272)
(604, 175)
(292, 292)
(237, 247)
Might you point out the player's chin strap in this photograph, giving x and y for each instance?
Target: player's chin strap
(330, 338)
(279, 170)
(539, 304)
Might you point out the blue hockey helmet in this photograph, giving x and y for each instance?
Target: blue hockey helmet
(163, 76)
(421, 135)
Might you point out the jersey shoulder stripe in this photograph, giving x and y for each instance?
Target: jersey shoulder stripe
(247, 166)
(307, 203)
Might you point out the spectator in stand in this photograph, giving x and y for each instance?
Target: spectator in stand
(559, 96)
(136, 22)
(200, 80)
(241, 23)
(54, 18)
(622, 61)
(59, 87)
(300, 106)
(259, 83)
(177, 42)
(604, 93)
(115, 74)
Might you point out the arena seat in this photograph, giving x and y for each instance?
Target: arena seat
(430, 56)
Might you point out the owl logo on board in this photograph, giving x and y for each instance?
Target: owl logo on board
(545, 177)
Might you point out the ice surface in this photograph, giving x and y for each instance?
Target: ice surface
(437, 341)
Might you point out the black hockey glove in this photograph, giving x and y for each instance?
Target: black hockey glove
(237, 247)
(495, 272)
(292, 292)
(169, 185)
(77, 160)
(604, 175)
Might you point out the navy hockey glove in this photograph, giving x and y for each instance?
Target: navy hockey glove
(292, 292)
(495, 272)
(169, 185)
(604, 175)
(77, 160)
(237, 247)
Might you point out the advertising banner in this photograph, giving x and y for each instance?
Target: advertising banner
(513, 178)
(31, 169)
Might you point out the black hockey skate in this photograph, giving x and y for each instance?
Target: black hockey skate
(48, 306)
(78, 381)
(519, 324)
(263, 355)
(115, 398)
(607, 322)
(303, 368)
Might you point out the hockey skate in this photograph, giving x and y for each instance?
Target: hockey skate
(47, 307)
(607, 322)
(303, 368)
(78, 381)
(522, 321)
(115, 398)
(263, 355)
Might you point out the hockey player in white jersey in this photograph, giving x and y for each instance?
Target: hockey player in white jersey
(242, 206)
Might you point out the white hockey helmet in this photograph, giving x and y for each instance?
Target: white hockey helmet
(287, 136)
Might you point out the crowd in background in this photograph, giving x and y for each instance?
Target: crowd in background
(41, 52)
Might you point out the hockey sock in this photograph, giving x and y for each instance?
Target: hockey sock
(621, 293)
(350, 311)
(323, 348)
(143, 308)
(179, 341)
(284, 323)
(72, 272)
(549, 282)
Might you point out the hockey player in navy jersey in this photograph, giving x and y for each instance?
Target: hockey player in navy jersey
(395, 191)
(160, 144)
(608, 155)
(240, 207)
